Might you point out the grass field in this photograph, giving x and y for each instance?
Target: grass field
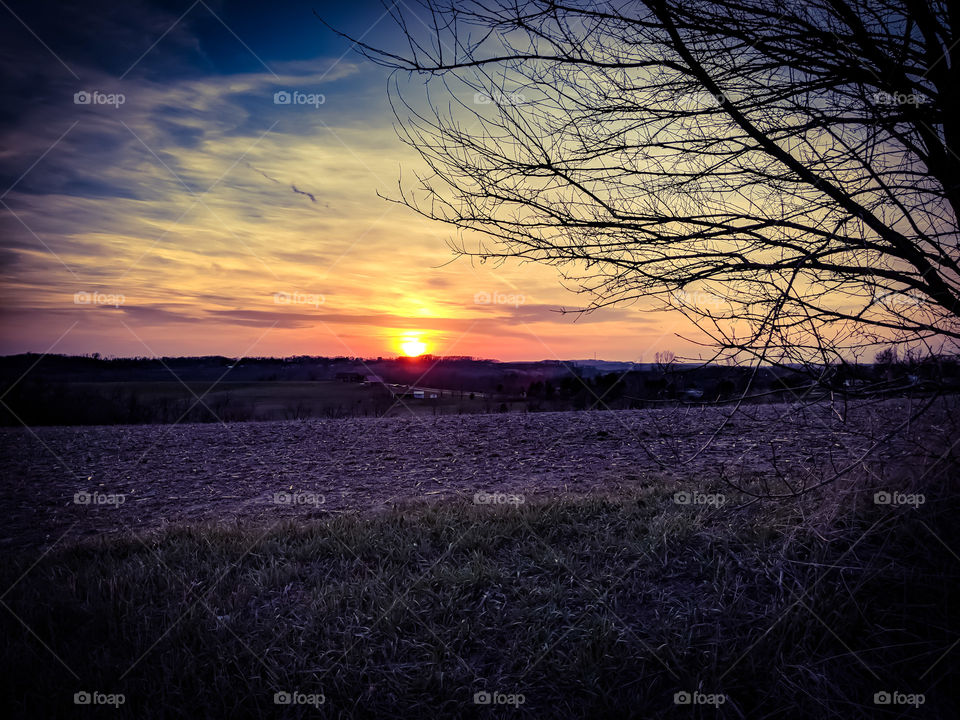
(583, 607)
(138, 402)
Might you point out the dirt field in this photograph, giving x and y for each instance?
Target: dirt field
(142, 478)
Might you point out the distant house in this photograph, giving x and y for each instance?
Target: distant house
(350, 377)
(425, 394)
(418, 393)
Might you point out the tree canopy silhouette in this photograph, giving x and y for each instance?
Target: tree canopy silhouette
(787, 175)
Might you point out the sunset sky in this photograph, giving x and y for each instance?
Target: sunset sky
(199, 216)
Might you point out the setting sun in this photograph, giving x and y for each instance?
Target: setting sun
(413, 346)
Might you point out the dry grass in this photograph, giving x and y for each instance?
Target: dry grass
(588, 607)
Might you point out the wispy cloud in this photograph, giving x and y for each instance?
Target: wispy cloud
(198, 193)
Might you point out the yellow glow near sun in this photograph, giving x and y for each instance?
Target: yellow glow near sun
(413, 346)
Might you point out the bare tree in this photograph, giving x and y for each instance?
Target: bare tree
(785, 174)
(664, 360)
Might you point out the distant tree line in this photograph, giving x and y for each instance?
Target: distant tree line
(61, 390)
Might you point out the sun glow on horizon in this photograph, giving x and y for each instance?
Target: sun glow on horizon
(412, 346)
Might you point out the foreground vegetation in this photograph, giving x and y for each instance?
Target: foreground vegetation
(584, 607)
